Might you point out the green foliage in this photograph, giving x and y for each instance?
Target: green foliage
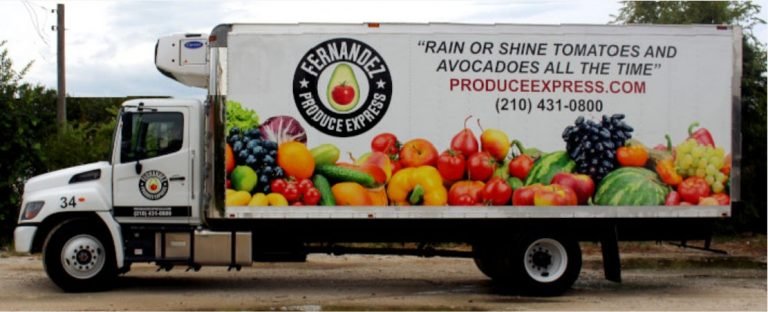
(29, 114)
(752, 216)
(30, 143)
(78, 143)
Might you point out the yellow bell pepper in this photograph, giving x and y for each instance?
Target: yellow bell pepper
(409, 180)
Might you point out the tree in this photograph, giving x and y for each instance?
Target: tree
(752, 216)
(29, 112)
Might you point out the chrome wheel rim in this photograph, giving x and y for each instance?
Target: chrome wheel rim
(545, 260)
(83, 256)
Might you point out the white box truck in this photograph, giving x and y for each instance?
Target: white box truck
(313, 136)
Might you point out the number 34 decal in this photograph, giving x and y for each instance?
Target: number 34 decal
(67, 202)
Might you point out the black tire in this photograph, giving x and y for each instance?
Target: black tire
(87, 264)
(507, 264)
(495, 261)
(547, 266)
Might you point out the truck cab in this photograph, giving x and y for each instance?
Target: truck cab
(75, 216)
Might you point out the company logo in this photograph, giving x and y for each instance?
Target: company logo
(153, 185)
(342, 87)
(193, 44)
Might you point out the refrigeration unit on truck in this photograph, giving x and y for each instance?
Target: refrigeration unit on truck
(520, 141)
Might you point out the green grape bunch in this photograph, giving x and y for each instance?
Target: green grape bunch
(695, 160)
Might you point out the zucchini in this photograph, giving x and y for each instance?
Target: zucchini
(342, 174)
(322, 185)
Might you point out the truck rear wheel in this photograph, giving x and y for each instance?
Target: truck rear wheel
(494, 260)
(539, 266)
(548, 266)
(78, 258)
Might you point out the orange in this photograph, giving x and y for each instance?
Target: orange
(295, 159)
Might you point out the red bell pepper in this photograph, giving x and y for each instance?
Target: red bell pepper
(662, 147)
(702, 135)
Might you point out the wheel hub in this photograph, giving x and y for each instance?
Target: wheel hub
(545, 260)
(541, 258)
(82, 256)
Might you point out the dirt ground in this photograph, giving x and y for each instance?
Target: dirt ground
(656, 277)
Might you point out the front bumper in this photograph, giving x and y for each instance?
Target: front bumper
(23, 236)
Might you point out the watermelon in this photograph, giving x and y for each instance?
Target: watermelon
(631, 186)
(547, 166)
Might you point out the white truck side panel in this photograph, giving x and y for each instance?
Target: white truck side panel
(692, 83)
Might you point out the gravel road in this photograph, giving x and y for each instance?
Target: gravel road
(668, 278)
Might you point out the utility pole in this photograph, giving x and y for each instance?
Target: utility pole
(61, 101)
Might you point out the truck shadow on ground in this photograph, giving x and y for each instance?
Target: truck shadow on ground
(333, 286)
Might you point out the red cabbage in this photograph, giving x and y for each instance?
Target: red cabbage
(283, 129)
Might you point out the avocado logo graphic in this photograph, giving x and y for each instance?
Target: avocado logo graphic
(342, 87)
(343, 92)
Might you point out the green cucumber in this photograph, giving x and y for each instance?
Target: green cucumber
(342, 174)
(322, 185)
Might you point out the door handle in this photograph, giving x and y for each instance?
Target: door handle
(177, 178)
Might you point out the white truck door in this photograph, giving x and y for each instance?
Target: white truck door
(152, 181)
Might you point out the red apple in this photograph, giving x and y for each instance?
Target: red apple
(465, 141)
(582, 184)
(523, 196)
(377, 159)
(555, 195)
(418, 152)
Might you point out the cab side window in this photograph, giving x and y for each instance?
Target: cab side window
(150, 134)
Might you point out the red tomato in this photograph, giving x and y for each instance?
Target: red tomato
(692, 189)
(291, 193)
(461, 189)
(451, 165)
(304, 185)
(386, 143)
(465, 200)
(278, 186)
(520, 166)
(343, 94)
(496, 192)
(481, 166)
(311, 196)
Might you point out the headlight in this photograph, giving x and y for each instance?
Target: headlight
(31, 210)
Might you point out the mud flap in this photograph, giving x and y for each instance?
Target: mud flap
(611, 262)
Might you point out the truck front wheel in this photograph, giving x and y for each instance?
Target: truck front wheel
(78, 258)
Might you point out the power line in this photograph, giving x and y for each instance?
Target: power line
(34, 19)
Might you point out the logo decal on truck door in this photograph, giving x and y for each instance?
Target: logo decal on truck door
(342, 87)
(153, 185)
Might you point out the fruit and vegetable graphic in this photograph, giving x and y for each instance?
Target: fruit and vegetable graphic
(272, 164)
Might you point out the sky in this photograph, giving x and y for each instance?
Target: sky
(110, 44)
